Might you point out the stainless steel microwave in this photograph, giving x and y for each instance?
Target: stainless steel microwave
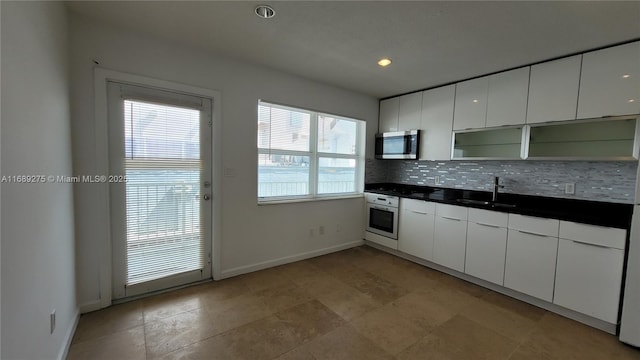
(398, 145)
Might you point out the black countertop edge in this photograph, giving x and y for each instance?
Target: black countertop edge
(582, 211)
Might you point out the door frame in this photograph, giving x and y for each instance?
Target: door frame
(101, 77)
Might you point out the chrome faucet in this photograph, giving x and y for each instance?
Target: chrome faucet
(496, 187)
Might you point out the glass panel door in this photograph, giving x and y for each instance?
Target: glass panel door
(161, 210)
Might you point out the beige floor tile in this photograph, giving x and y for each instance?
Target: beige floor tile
(345, 343)
(514, 305)
(108, 321)
(284, 296)
(166, 335)
(379, 289)
(463, 286)
(299, 353)
(170, 304)
(388, 329)
(310, 320)
(461, 338)
(233, 313)
(407, 278)
(299, 271)
(347, 302)
(127, 344)
(557, 337)
(425, 311)
(224, 289)
(263, 339)
(503, 321)
(263, 279)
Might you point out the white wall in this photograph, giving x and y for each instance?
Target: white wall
(251, 234)
(38, 273)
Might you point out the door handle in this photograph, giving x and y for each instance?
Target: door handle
(206, 197)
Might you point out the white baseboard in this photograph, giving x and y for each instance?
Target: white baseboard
(68, 336)
(90, 306)
(288, 259)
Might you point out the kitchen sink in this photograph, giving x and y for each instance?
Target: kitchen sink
(485, 203)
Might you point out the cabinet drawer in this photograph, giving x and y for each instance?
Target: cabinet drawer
(593, 234)
(535, 225)
(451, 212)
(418, 206)
(488, 217)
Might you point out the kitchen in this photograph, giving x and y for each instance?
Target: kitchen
(119, 43)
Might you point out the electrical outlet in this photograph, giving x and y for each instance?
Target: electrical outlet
(570, 188)
(437, 180)
(321, 230)
(52, 321)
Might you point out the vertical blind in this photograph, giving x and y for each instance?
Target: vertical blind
(163, 170)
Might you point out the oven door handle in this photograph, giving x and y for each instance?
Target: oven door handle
(383, 208)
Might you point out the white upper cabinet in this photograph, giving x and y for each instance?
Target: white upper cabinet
(553, 90)
(409, 112)
(610, 82)
(507, 97)
(388, 118)
(470, 111)
(437, 123)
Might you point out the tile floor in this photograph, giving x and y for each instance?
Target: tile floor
(359, 303)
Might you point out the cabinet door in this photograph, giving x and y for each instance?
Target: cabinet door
(409, 112)
(553, 90)
(450, 242)
(388, 118)
(486, 245)
(437, 123)
(531, 264)
(588, 279)
(610, 82)
(507, 97)
(470, 110)
(415, 236)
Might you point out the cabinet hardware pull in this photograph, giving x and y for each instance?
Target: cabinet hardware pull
(418, 212)
(532, 233)
(590, 244)
(450, 218)
(488, 225)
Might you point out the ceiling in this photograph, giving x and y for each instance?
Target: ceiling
(431, 43)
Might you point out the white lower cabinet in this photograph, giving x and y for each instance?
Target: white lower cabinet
(450, 237)
(532, 247)
(589, 269)
(415, 231)
(486, 245)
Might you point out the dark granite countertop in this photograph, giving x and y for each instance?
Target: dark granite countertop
(583, 211)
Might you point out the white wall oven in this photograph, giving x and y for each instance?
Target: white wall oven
(382, 215)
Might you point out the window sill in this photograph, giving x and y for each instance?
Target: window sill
(310, 199)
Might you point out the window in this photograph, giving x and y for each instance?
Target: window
(305, 154)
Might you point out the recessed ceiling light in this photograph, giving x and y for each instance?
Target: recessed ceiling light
(475, 100)
(626, 76)
(265, 11)
(384, 62)
(631, 100)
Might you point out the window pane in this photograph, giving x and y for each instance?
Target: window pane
(283, 129)
(336, 135)
(154, 131)
(283, 175)
(336, 175)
